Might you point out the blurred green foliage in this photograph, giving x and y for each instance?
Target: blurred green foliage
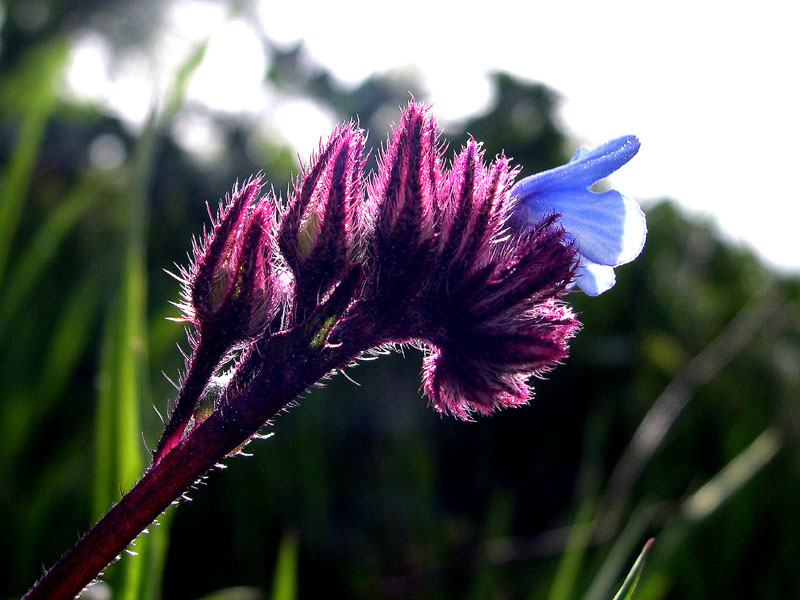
(364, 491)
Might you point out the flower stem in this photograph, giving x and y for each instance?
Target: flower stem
(288, 369)
(160, 486)
(206, 358)
(274, 373)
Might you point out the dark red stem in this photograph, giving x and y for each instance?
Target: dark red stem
(154, 492)
(261, 397)
(207, 357)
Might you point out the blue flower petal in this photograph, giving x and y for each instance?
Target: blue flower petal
(594, 279)
(609, 229)
(586, 167)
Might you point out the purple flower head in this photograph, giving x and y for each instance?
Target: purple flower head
(494, 314)
(608, 228)
(482, 301)
(228, 291)
(430, 255)
(500, 324)
(322, 227)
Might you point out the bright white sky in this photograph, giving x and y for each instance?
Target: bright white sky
(711, 88)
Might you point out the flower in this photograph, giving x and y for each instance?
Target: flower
(230, 294)
(228, 290)
(321, 228)
(608, 228)
(482, 302)
(497, 324)
(403, 199)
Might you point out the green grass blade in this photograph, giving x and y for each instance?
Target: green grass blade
(182, 77)
(498, 524)
(130, 359)
(43, 246)
(42, 72)
(120, 452)
(629, 585)
(284, 583)
(104, 489)
(236, 593)
(65, 349)
(142, 578)
(158, 544)
(127, 381)
(735, 475)
(612, 567)
(711, 497)
(131, 368)
(569, 567)
(68, 342)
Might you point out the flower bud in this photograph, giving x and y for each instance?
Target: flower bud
(229, 291)
(404, 196)
(321, 229)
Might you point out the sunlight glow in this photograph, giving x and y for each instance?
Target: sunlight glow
(199, 136)
(87, 71)
(704, 86)
(230, 78)
(709, 96)
(300, 123)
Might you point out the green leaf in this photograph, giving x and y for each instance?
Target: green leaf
(129, 377)
(65, 348)
(131, 356)
(120, 414)
(569, 567)
(733, 477)
(40, 73)
(629, 585)
(42, 248)
(130, 360)
(119, 409)
(236, 593)
(284, 583)
(625, 544)
(104, 490)
(120, 453)
(182, 76)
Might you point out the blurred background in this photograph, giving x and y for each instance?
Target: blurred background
(676, 417)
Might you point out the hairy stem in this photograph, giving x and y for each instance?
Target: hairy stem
(289, 365)
(206, 358)
(160, 486)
